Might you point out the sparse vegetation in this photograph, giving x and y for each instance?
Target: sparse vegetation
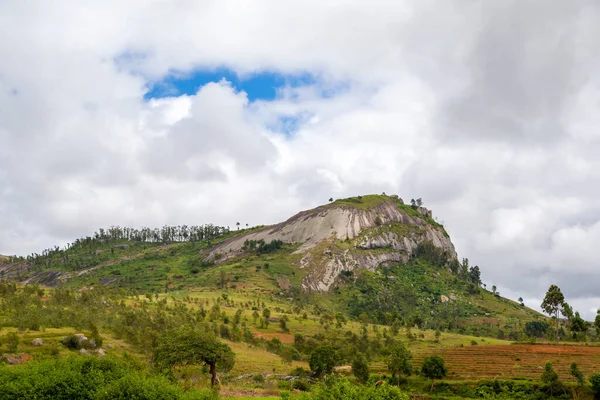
(193, 316)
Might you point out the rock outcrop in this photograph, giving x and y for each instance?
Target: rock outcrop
(385, 232)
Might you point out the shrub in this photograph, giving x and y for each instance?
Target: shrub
(140, 387)
(360, 368)
(301, 384)
(344, 389)
(284, 385)
(595, 381)
(72, 342)
(12, 342)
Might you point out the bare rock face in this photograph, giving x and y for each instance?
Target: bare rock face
(387, 232)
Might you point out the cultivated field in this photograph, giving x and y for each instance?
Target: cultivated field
(518, 360)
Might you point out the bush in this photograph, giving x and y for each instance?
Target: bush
(595, 381)
(284, 385)
(344, 389)
(72, 342)
(301, 384)
(140, 387)
(12, 342)
(360, 368)
(85, 378)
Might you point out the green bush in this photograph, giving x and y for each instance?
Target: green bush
(12, 342)
(342, 389)
(595, 381)
(87, 378)
(72, 342)
(284, 385)
(140, 387)
(301, 384)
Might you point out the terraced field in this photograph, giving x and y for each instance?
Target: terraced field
(520, 360)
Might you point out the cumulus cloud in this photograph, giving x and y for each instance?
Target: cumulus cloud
(485, 110)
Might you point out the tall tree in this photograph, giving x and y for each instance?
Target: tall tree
(552, 304)
(475, 275)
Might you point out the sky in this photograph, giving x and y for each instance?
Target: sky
(152, 112)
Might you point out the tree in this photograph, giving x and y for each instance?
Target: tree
(238, 225)
(567, 311)
(95, 336)
(577, 374)
(536, 328)
(415, 204)
(399, 361)
(578, 324)
(597, 321)
(552, 302)
(549, 376)
(360, 368)
(494, 289)
(521, 301)
(322, 360)
(433, 368)
(283, 324)
(475, 275)
(187, 346)
(331, 199)
(222, 279)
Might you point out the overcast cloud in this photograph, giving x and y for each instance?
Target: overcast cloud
(489, 111)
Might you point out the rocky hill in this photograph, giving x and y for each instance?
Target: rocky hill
(362, 232)
(370, 257)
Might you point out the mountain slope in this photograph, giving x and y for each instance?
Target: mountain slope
(358, 233)
(367, 256)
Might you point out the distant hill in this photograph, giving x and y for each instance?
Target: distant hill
(368, 257)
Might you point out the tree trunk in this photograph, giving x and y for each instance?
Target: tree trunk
(557, 327)
(213, 373)
(431, 390)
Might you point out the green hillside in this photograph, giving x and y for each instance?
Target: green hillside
(431, 290)
(129, 289)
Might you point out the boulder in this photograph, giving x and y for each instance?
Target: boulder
(37, 342)
(12, 360)
(100, 352)
(444, 299)
(81, 338)
(84, 351)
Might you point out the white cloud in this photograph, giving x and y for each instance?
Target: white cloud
(494, 128)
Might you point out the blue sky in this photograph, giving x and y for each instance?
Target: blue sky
(259, 86)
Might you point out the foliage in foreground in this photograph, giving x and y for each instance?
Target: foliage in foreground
(87, 378)
(337, 389)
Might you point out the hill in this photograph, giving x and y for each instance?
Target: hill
(368, 257)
